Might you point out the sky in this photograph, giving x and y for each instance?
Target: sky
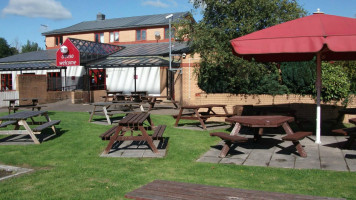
(22, 20)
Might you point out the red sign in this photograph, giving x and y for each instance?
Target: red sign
(68, 55)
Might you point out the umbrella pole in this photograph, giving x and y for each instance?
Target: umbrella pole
(318, 91)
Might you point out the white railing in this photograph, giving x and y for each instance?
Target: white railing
(8, 95)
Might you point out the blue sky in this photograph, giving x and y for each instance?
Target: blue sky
(22, 20)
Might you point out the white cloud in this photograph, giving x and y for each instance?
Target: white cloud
(159, 3)
(50, 9)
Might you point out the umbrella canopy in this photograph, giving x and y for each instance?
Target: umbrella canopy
(328, 37)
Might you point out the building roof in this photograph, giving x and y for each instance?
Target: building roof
(118, 23)
(151, 49)
(31, 56)
(147, 54)
(32, 65)
(141, 61)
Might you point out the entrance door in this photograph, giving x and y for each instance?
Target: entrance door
(97, 79)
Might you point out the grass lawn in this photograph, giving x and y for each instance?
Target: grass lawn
(69, 167)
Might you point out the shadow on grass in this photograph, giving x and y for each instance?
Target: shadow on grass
(46, 135)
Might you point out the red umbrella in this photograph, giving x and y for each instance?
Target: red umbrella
(327, 37)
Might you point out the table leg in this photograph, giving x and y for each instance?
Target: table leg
(179, 116)
(150, 122)
(92, 114)
(200, 120)
(227, 145)
(152, 103)
(148, 139)
(28, 129)
(106, 115)
(113, 139)
(48, 120)
(297, 144)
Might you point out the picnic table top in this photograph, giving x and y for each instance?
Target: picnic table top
(134, 119)
(170, 190)
(22, 115)
(202, 106)
(116, 103)
(260, 120)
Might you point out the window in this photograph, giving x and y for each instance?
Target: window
(166, 33)
(6, 82)
(59, 40)
(114, 37)
(140, 35)
(54, 81)
(99, 37)
(97, 79)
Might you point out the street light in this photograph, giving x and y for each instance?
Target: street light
(169, 17)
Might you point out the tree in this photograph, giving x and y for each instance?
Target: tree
(30, 46)
(219, 70)
(5, 49)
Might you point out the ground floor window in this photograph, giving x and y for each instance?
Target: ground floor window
(6, 82)
(54, 81)
(97, 79)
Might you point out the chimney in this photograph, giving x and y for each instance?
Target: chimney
(100, 16)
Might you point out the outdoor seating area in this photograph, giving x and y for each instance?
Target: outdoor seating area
(144, 135)
(228, 100)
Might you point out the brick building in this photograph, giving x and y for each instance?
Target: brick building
(141, 64)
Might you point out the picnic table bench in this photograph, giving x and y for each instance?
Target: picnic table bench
(261, 122)
(20, 119)
(201, 116)
(171, 190)
(132, 122)
(348, 132)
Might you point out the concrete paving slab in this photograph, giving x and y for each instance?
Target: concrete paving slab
(236, 161)
(137, 149)
(209, 159)
(271, 153)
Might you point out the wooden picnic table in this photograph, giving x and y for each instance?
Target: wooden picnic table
(171, 190)
(104, 108)
(20, 119)
(351, 132)
(261, 122)
(201, 116)
(114, 96)
(131, 122)
(33, 105)
(152, 100)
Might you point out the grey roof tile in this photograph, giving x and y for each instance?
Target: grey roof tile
(31, 56)
(118, 23)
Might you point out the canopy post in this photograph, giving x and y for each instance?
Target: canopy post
(318, 92)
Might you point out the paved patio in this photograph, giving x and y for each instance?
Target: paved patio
(271, 151)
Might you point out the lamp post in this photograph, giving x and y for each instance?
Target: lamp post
(169, 17)
(170, 82)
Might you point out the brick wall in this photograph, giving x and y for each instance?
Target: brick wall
(32, 86)
(305, 106)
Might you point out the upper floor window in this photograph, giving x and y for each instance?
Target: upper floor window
(114, 36)
(166, 33)
(59, 40)
(140, 34)
(6, 82)
(99, 37)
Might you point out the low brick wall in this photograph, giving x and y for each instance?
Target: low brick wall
(305, 106)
